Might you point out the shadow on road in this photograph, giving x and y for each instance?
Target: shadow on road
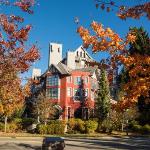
(128, 143)
(18, 146)
(28, 146)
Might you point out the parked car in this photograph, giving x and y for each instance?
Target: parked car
(53, 143)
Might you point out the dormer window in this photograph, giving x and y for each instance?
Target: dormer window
(58, 50)
(77, 53)
(80, 54)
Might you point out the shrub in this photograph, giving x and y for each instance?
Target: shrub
(12, 127)
(51, 129)
(59, 128)
(132, 123)
(146, 129)
(71, 124)
(51, 122)
(54, 127)
(18, 122)
(42, 129)
(28, 121)
(79, 125)
(107, 126)
(2, 126)
(90, 126)
(137, 128)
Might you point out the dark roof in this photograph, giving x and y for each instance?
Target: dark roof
(63, 68)
(88, 69)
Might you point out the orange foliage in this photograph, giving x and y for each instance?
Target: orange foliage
(135, 12)
(107, 40)
(125, 12)
(15, 58)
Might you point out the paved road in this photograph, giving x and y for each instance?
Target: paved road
(103, 143)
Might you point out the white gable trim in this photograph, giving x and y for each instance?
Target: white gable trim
(81, 47)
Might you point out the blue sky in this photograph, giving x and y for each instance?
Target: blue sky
(53, 21)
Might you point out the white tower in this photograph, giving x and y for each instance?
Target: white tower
(55, 53)
(36, 73)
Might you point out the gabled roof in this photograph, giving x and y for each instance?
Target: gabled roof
(60, 67)
(81, 47)
(63, 68)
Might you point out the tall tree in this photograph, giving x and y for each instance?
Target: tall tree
(15, 58)
(103, 97)
(107, 40)
(140, 47)
(43, 108)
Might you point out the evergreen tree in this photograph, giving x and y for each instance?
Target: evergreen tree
(141, 46)
(103, 97)
(142, 43)
(81, 96)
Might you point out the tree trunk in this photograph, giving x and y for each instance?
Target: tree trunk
(38, 119)
(6, 124)
(45, 122)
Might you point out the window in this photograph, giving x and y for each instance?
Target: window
(78, 80)
(69, 79)
(52, 80)
(77, 53)
(80, 54)
(52, 93)
(86, 80)
(58, 49)
(69, 92)
(77, 93)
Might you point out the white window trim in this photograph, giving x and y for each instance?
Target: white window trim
(69, 79)
(69, 95)
(75, 79)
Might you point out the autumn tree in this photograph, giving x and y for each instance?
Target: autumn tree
(15, 58)
(43, 108)
(120, 117)
(141, 46)
(101, 39)
(104, 39)
(102, 105)
(124, 11)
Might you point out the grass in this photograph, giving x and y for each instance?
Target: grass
(93, 135)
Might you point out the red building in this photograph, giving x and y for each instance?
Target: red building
(69, 81)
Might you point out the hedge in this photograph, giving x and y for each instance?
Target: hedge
(53, 127)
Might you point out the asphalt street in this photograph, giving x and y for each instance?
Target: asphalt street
(102, 143)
